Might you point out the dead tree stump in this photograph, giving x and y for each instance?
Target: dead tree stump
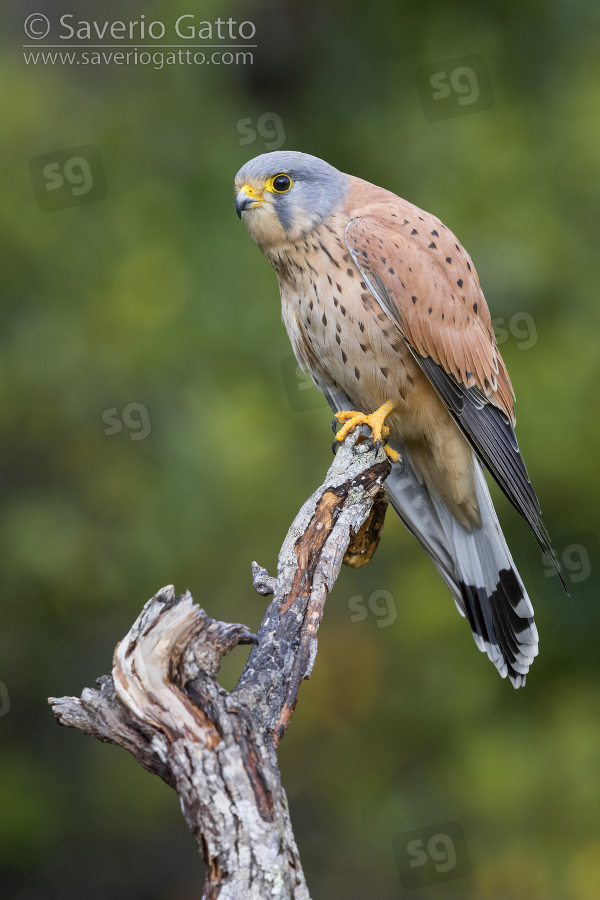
(217, 749)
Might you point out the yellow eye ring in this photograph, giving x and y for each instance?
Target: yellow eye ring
(279, 184)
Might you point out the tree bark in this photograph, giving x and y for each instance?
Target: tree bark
(217, 749)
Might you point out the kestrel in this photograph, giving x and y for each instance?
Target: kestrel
(384, 309)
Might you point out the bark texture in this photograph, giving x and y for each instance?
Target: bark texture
(217, 749)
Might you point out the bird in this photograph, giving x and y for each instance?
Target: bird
(384, 309)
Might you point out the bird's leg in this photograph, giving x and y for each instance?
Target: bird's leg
(375, 421)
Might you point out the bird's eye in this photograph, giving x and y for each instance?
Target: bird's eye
(279, 184)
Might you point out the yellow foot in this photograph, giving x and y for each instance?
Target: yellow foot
(375, 421)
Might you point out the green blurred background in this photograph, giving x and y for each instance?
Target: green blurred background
(154, 430)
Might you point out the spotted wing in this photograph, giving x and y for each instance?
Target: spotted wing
(426, 284)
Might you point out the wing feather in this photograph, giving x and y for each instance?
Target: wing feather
(430, 291)
(438, 305)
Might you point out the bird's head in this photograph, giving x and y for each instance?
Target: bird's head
(282, 195)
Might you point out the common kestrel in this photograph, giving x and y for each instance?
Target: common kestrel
(384, 309)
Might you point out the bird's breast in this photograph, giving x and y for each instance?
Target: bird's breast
(339, 330)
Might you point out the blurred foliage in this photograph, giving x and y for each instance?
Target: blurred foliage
(156, 296)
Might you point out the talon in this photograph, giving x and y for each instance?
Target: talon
(392, 454)
(375, 421)
(335, 447)
(334, 425)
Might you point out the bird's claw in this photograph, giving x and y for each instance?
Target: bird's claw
(375, 421)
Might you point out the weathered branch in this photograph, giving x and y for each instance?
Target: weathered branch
(215, 748)
(309, 563)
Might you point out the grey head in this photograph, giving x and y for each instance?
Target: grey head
(285, 194)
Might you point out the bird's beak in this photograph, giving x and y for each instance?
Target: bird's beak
(246, 199)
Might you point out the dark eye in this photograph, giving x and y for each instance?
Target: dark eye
(282, 183)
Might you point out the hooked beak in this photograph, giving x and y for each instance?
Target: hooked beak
(246, 199)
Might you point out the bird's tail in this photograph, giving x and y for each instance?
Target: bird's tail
(476, 565)
(490, 592)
